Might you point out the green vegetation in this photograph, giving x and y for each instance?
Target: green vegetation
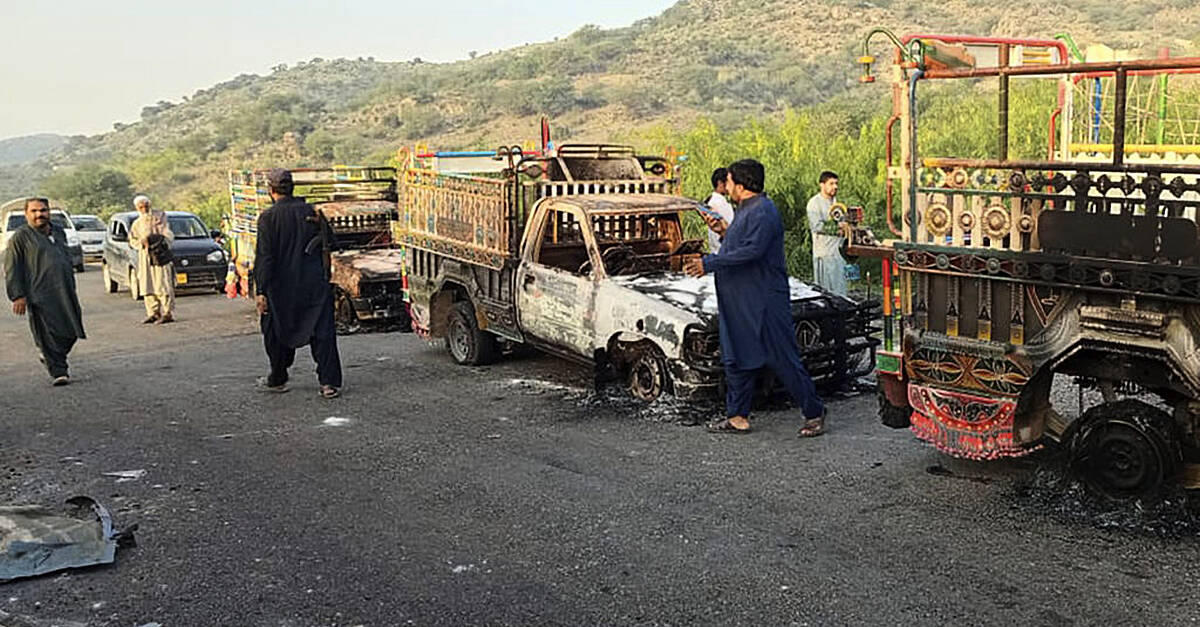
(758, 77)
(89, 189)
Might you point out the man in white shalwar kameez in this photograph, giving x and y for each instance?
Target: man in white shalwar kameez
(829, 269)
(155, 283)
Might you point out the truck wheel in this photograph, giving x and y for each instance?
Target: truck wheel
(133, 285)
(889, 414)
(648, 376)
(1125, 449)
(110, 286)
(344, 317)
(468, 344)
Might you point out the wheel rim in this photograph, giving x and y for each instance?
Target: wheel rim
(460, 344)
(1121, 460)
(646, 379)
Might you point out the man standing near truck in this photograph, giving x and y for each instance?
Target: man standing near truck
(829, 269)
(41, 284)
(753, 304)
(295, 300)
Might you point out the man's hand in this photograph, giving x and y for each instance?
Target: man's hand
(694, 267)
(260, 301)
(716, 225)
(19, 306)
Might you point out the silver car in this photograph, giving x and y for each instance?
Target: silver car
(91, 232)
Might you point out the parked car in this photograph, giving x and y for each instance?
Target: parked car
(91, 235)
(14, 217)
(199, 261)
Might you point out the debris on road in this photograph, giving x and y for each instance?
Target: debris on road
(336, 421)
(126, 475)
(16, 620)
(35, 541)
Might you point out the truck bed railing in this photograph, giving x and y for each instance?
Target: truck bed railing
(565, 188)
(463, 217)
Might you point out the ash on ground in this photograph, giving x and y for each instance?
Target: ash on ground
(1052, 489)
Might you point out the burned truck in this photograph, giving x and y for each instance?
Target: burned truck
(578, 252)
(359, 204)
(1079, 261)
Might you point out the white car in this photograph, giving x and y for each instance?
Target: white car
(91, 230)
(14, 217)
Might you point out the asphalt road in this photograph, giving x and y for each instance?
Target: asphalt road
(515, 495)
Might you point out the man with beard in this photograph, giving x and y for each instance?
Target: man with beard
(295, 300)
(41, 284)
(753, 304)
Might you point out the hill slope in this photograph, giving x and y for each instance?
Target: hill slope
(723, 59)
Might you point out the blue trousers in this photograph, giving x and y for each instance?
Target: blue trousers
(784, 362)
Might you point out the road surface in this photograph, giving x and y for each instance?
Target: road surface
(431, 494)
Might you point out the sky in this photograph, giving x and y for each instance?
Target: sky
(77, 66)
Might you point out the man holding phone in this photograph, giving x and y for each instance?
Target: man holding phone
(754, 305)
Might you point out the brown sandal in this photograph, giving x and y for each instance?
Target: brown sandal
(813, 427)
(725, 426)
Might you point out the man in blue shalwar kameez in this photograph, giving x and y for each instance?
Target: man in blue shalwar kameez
(753, 301)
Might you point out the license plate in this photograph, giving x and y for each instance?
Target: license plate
(180, 278)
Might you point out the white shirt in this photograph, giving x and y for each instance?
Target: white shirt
(721, 206)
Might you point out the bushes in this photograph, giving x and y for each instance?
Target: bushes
(89, 189)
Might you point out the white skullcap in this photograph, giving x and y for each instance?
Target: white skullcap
(139, 199)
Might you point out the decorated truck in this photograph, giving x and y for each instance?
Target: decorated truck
(578, 251)
(1079, 261)
(359, 204)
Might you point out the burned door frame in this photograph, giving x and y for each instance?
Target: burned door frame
(568, 325)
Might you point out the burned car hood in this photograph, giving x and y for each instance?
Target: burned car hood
(381, 264)
(699, 295)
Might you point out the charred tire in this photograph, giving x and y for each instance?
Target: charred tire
(648, 375)
(889, 414)
(1125, 449)
(467, 343)
(344, 318)
(110, 286)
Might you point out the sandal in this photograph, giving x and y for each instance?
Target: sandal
(725, 426)
(328, 391)
(263, 384)
(813, 427)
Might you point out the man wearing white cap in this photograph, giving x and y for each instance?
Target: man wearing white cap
(152, 237)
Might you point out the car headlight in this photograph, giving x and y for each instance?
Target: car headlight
(72, 239)
(216, 256)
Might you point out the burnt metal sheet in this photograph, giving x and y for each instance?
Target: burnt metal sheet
(35, 540)
(1119, 236)
(349, 269)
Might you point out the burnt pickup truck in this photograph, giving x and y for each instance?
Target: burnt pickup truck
(359, 204)
(579, 253)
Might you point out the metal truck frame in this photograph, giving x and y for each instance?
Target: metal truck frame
(1006, 272)
(578, 252)
(359, 204)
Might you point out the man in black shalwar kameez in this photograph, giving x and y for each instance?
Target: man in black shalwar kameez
(40, 281)
(295, 300)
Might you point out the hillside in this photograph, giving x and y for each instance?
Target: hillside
(718, 59)
(28, 148)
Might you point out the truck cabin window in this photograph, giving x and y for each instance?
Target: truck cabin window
(633, 244)
(562, 244)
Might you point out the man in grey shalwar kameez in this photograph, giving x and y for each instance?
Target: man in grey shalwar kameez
(41, 284)
(829, 269)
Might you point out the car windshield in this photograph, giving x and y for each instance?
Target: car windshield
(87, 223)
(185, 227)
(15, 220)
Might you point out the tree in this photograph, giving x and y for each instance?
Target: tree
(90, 188)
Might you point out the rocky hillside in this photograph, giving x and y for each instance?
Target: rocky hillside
(721, 59)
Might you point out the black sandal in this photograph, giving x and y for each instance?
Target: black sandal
(724, 426)
(813, 427)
